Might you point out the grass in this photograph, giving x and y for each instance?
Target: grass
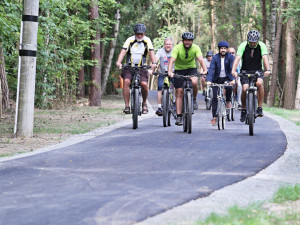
(292, 115)
(262, 213)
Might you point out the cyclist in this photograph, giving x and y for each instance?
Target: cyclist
(238, 86)
(220, 72)
(184, 54)
(163, 55)
(207, 61)
(252, 52)
(138, 48)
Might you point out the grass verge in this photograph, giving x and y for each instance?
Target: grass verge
(291, 115)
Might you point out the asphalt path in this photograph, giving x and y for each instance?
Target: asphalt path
(125, 176)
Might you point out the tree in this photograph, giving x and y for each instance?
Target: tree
(289, 95)
(4, 91)
(95, 86)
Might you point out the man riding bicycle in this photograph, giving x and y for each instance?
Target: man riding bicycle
(163, 55)
(252, 52)
(220, 72)
(207, 62)
(184, 54)
(137, 47)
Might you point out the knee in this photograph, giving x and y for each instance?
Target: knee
(144, 85)
(126, 83)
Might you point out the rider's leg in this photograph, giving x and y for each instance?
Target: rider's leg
(179, 96)
(126, 91)
(260, 91)
(243, 97)
(144, 91)
(195, 86)
(239, 91)
(160, 84)
(214, 101)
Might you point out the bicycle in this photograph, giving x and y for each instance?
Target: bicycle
(230, 111)
(135, 93)
(221, 109)
(208, 97)
(168, 100)
(187, 103)
(251, 98)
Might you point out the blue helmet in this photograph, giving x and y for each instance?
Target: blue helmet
(223, 44)
(209, 53)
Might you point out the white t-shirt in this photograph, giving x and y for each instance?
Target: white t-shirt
(222, 73)
(137, 52)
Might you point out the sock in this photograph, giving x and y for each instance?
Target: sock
(159, 105)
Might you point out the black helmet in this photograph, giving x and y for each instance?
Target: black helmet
(253, 36)
(187, 36)
(209, 53)
(223, 44)
(139, 28)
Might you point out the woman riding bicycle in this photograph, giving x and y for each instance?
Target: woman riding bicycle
(220, 72)
(184, 54)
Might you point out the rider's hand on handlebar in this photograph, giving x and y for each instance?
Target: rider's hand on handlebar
(267, 73)
(119, 65)
(234, 73)
(171, 74)
(208, 83)
(153, 66)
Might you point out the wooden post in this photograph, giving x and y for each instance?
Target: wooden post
(28, 49)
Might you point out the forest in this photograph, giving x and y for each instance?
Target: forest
(79, 41)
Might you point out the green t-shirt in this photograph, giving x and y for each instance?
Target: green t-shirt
(179, 54)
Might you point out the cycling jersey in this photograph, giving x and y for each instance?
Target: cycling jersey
(137, 52)
(252, 57)
(183, 60)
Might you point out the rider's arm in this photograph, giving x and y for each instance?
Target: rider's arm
(120, 58)
(211, 71)
(266, 65)
(170, 66)
(235, 65)
(202, 63)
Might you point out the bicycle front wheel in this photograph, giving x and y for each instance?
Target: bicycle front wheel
(219, 114)
(251, 113)
(189, 112)
(165, 106)
(135, 111)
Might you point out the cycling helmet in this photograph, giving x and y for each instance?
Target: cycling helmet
(223, 44)
(139, 28)
(209, 53)
(253, 36)
(187, 36)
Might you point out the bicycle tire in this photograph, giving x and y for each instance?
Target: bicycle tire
(232, 111)
(165, 106)
(135, 111)
(184, 114)
(219, 114)
(170, 106)
(251, 113)
(189, 112)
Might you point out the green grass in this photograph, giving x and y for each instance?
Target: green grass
(256, 214)
(292, 115)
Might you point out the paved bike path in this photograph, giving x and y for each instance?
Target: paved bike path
(127, 175)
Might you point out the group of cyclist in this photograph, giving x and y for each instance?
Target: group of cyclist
(181, 59)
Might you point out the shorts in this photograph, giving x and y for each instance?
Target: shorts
(160, 82)
(245, 80)
(127, 74)
(178, 82)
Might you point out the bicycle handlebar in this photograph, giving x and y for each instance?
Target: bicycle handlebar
(135, 67)
(248, 74)
(188, 76)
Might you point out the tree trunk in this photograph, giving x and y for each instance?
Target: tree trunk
(274, 76)
(289, 96)
(213, 26)
(112, 47)
(95, 87)
(264, 16)
(297, 100)
(4, 91)
(81, 86)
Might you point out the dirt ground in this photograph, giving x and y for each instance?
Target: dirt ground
(55, 125)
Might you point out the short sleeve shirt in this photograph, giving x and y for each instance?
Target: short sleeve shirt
(137, 52)
(207, 63)
(179, 53)
(164, 59)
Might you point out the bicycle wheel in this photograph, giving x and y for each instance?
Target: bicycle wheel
(189, 113)
(184, 114)
(251, 113)
(165, 106)
(208, 99)
(224, 110)
(170, 108)
(135, 111)
(219, 113)
(232, 109)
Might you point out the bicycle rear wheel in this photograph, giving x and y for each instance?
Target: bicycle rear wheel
(135, 111)
(189, 113)
(251, 113)
(165, 106)
(170, 108)
(219, 113)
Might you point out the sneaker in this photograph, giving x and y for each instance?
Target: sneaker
(179, 121)
(259, 112)
(243, 115)
(213, 122)
(159, 112)
(195, 104)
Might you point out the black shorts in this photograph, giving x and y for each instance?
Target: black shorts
(178, 83)
(245, 80)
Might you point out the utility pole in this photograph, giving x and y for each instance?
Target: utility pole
(27, 69)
